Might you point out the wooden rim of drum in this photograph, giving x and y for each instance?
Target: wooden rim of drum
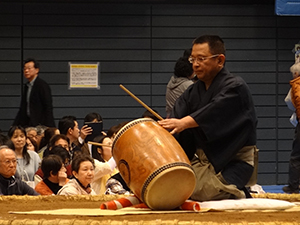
(159, 171)
(129, 125)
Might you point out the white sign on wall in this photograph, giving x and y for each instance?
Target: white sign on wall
(84, 75)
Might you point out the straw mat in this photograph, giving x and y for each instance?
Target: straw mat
(23, 206)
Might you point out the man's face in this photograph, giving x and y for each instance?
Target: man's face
(29, 71)
(32, 134)
(75, 131)
(208, 68)
(8, 163)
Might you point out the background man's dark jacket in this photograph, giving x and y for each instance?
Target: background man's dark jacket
(41, 110)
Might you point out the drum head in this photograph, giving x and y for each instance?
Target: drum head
(170, 189)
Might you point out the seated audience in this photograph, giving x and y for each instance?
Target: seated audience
(105, 165)
(116, 185)
(58, 139)
(114, 129)
(3, 139)
(9, 184)
(31, 144)
(48, 134)
(65, 157)
(33, 133)
(95, 121)
(54, 175)
(27, 161)
(68, 126)
(40, 133)
(178, 83)
(83, 172)
(105, 151)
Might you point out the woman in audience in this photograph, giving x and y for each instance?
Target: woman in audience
(105, 165)
(28, 161)
(54, 176)
(58, 139)
(102, 153)
(40, 133)
(115, 184)
(83, 172)
(48, 134)
(65, 157)
(31, 144)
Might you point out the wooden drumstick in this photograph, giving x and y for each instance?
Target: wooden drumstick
(142, 103)
(98, 144)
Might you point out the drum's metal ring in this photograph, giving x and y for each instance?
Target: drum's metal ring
(128, 126)
(158, 171)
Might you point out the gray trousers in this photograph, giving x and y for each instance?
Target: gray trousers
(212, 186)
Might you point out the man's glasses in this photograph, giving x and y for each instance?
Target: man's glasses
(27, 68)
(8, 162)
(200, 59)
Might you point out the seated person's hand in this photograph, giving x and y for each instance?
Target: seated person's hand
(85, 131)
(62, 178)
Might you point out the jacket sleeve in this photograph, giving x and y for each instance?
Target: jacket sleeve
(19, 119)
(47, 105)
(295, 93)
(26, 189)
(101, 169)
(288, 101)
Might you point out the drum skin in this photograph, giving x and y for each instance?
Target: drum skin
(153, 164)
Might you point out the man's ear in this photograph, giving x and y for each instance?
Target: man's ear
(70, 130)
(221, 59)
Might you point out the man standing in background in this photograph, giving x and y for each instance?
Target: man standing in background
(36, 102)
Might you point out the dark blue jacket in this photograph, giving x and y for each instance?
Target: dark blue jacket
(15, 186)
(41, 109)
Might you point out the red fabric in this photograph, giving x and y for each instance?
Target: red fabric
(141, 205)
(190, 205)
(121, 203)
(295, 91)
(133, 201)
(40, 173)
(43, 189)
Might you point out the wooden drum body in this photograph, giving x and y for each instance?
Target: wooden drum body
(153, 164)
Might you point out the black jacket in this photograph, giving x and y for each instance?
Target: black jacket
(15, 186)
(41, 109)
(226, 117)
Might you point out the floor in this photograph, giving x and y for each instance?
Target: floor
(273, 188)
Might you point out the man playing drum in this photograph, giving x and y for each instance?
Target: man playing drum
(215, 122)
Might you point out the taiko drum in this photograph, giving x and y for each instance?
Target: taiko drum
(153, 164)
